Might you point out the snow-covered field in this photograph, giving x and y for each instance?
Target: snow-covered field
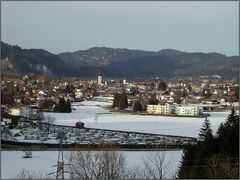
(95, 116)
(42, 161)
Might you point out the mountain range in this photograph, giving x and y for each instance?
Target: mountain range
(116, 62)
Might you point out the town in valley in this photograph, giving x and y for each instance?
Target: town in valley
(26, 98)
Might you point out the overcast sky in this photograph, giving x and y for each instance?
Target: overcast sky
(70, 26)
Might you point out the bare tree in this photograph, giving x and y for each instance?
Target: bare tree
(113, 164)
(25, 174)
(136, 172)
(48, 121)
(40, 120)
(28, 153)
(102, 164)
(222, 168)
(156, 166)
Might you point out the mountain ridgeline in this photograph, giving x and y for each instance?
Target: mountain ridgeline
(165, 63)
(15, 60)
(116, 63)
(175, 64)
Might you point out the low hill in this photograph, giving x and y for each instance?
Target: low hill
(101, 56)
(37, 61)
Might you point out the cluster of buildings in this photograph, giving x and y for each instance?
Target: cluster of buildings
(23, 99)
(24, 96)
(174, 109)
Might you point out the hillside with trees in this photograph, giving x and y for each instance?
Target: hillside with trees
(180, 64)
(116, 63)
(16, 60)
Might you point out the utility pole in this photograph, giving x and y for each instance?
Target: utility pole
(60, 163)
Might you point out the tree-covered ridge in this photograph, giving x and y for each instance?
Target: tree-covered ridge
(184, 64)
(167, 62)
(101, 56)
(214, 157)
(117, 63)
(9, 50)
(39, 61)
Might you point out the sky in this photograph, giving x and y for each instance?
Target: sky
(70, 26)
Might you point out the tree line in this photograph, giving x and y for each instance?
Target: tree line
(63, 106)
(214, 156)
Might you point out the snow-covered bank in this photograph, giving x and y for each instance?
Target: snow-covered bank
(95, 116)
(42, 161)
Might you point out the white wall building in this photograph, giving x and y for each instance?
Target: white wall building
(78, 93)
(99, 79)
(22, 111)
(188, 110)
(160, 109)
(174, 109)
(15, 112)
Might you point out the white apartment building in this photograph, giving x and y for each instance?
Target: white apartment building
(22, 111)
(160, 109)
(25, 111)
(174, 109)
(15, 112)
(188, 110)
(78, 93)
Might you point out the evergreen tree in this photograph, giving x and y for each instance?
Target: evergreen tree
(196, 155)
(68, 106)
(116, 100)
(120, 101)
(137, 106)
(123, 101)
(63, 106)
(207, 93)
(153, 101)
(184, 93)
(69, 88)
(228, 135)
(162, 86)
(204, 160)
(73, 95)
(187, 169)
(206, 131)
